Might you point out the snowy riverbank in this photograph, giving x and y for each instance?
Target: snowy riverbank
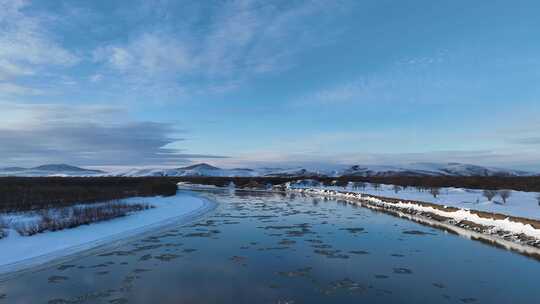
(19, 252)
(520, 204)
(509, 228)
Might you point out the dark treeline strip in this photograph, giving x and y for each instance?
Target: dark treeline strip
(32, 193)
(529, 184)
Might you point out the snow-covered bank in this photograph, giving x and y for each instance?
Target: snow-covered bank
(18, 252)
(521, 204)
(508, 228)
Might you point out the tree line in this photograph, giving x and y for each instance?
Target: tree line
(527, 184)
(33, 193)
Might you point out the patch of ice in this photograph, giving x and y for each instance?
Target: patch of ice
(18, 253)
(458, 215)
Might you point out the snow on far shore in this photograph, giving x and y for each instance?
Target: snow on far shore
(19, 252)
(459, 215)
(520, 204)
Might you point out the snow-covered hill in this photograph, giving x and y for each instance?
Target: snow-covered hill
(194, 170)
(414, 169)
(203, 169)
(50, 170)
(296, 172)
(432, 169)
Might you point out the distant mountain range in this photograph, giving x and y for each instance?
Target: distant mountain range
(203, 169)
(432, 169)
(49, 170)
(193, 170)
(415, 169)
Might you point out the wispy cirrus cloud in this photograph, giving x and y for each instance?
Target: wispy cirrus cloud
(149, 54)
(240, 39)
(395, 86)
(26, 47)
(9, 88)
(527, 141)
(203, 48)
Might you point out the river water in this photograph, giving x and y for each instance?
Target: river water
(259, 247)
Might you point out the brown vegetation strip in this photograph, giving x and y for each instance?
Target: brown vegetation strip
(33, 193)
(482, 214)
(518, 183)
(71, 217)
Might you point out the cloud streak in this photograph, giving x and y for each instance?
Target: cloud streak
(240, 40)
(86, 136)
(527, 141)
(26, 47)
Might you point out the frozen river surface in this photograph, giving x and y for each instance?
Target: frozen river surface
(271, 248)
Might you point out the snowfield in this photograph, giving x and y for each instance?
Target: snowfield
(520, 204)
(19, 252)
(519, 231)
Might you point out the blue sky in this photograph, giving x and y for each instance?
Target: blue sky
(260, 83)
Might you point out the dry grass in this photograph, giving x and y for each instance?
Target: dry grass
(4, 226)
(71, 217)
(36, 193)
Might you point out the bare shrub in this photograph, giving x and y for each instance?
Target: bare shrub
(36, 193)
(489, 194)
(435, 191)
(362, 185)
(504, 195)
(71, 217)
(421, 189)
(396, 189)
(422, 183)
(28, 228)
(359, 185)
(4, 226)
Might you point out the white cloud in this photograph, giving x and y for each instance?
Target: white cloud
(25, 47)
(96, 78)
(148, 53)
(24, 39)
(119, 57)
(9, 70)
(27, 115)
(346, 92)
(7, 89)
(394, 86)
(241, 39)
(367, 90)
